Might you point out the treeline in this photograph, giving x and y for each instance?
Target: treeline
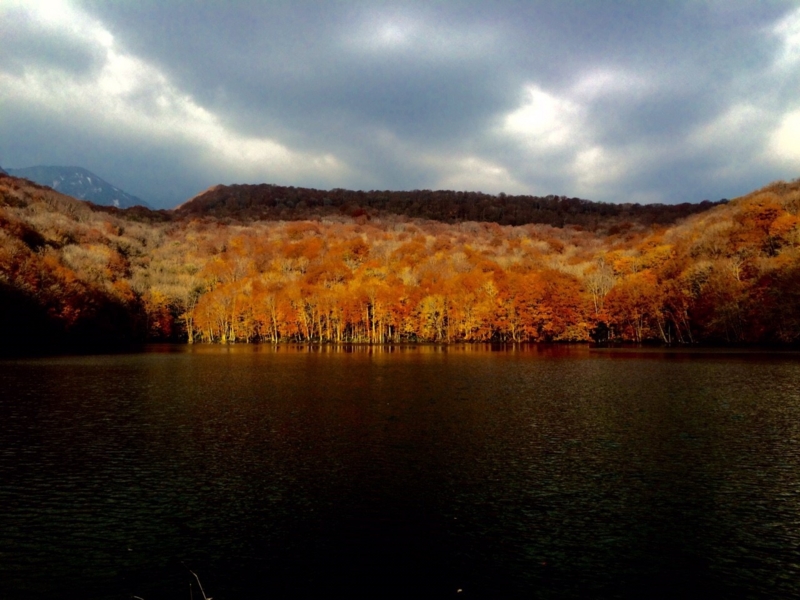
(75, 272)
(273, 202)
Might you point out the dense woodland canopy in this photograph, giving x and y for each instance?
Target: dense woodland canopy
(74, 272)
(273, 202)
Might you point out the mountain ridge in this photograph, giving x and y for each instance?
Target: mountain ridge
(270, 202)
(79, 183)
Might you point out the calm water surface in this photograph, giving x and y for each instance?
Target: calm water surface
(536, 472)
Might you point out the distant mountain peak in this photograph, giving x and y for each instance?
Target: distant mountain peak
(79, 183)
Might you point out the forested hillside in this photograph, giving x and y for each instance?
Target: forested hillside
(274, 202)
(72, 272)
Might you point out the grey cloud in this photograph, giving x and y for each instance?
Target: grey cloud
(661, 118)
(298, 76)
(311, 76)
(158, 174)
(26, 43)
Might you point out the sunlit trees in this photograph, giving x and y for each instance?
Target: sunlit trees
(727, 275)
(598, 282)
(634, 306)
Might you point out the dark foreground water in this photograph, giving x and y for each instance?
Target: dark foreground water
(536, 472)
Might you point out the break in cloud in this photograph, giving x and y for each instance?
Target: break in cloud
(617, 102)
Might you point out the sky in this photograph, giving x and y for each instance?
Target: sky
(613, 101)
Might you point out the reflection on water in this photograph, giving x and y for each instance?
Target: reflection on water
(401, 471)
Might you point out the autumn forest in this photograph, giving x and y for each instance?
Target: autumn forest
(240, 264)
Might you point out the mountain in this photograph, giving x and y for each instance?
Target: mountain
(79, 183)
(273, 203)
(2, 171)
(77, 273)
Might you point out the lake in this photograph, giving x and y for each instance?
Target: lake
(401, 472)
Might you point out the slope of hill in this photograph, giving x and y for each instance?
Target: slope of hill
(73, 271)
(48, 298)
(273, 202)
(79, 183)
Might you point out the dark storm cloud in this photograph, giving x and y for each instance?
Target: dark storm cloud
(312, 70)
(614, 101)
